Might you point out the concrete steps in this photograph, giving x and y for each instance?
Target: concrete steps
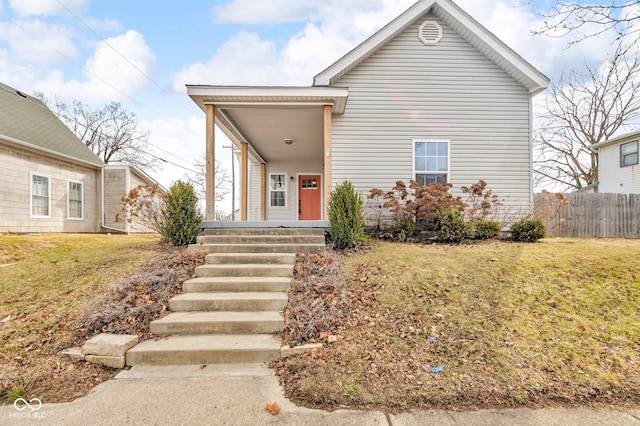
(220, 322)
(206, 349)
(237, 301)
(244, 270)
(231, 310)
(236, 284)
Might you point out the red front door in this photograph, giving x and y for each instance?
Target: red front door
(309, 197)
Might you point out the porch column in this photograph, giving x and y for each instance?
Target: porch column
(327, 159)
(245, 182)
(210, 188)
(263, 191)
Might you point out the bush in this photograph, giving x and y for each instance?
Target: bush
(180, 215)
(451, 226)
(528, 230)
(346, 216)
(486, 229)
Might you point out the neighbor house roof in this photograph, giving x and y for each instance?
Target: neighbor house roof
(627, 137)
(26, 121)
(468, 28)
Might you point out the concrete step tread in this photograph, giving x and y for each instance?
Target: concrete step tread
(224, 280)
(265, 231)
(210, 342)
(266, 295)
(244, 266)
(255, 258)
(220, 316)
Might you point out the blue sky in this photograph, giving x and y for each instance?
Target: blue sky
(74, 49)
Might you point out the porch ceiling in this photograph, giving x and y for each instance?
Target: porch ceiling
(266, 129)
(265, 116)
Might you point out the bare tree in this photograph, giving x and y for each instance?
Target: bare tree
(591, 20)
(199, 179)
(583, 109)
(110, 131)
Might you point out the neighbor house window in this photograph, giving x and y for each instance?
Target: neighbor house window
(431, 162)
(629, 154)
(74, 197)
(40, 195)
(277, 190)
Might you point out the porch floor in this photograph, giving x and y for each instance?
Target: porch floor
(217, 224)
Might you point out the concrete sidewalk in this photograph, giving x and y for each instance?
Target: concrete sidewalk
(222, 395)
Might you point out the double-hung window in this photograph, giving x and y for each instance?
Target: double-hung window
(431, 161)
(629, 154)
(277, 190)
(75, 201)
(40, 195)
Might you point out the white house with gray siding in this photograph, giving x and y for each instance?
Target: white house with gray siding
(50, 181)
(618, 170)
(433, 96)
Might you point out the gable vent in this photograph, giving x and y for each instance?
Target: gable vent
(430, 33)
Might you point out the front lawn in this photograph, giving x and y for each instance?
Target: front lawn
(46, 282)
(492, 324)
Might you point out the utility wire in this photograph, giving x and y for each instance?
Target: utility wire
(123, 57)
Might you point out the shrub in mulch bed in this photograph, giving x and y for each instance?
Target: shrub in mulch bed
(136, 301)
(318, 302)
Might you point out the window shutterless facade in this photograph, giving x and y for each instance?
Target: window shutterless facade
(40, 195)
(75, 201)
(629, 154)
(430, 161)
(278, 190)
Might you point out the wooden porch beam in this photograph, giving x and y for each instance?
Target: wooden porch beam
(210, 188)
(245, 182)
(327, 159)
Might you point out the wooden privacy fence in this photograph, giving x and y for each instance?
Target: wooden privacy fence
(589, 215)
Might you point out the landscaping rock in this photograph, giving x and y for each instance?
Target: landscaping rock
(109, 345)
(74, 352)
(108, 361)
(286, 350)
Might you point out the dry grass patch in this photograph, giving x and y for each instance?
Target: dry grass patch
(551, 323)
(48, 280)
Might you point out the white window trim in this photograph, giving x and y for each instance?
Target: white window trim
(285, 189)
(31, 175)
(637, 143)
(423, 172)
(81, 201)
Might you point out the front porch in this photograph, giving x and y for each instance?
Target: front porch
(283, 137)
(276, 224)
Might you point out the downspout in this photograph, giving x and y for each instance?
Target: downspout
(104, 226)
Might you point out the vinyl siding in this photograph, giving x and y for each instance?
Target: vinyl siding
(449, 91)
(115, 186)
(16, 166)
(290, 168)
(254, 191)
(613, 178)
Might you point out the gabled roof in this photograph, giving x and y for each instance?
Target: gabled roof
(627, 137)
(26, 121)
(468, 28)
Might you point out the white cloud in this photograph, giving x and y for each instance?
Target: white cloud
(16, 75)
(107, 66)
(260, 11)
(48, 7)
(104, 25)
(38, 42)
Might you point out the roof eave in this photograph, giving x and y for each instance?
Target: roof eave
(50, 152)
(627, 137)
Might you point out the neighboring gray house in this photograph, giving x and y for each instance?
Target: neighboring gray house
(49, 180)
(618, 170)
(433, 96)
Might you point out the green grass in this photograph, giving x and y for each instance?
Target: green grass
(554, 322)
(45, 285)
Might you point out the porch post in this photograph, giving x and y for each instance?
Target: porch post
(263, 191)
(327, 159)
(245, 182)
(210, 211)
